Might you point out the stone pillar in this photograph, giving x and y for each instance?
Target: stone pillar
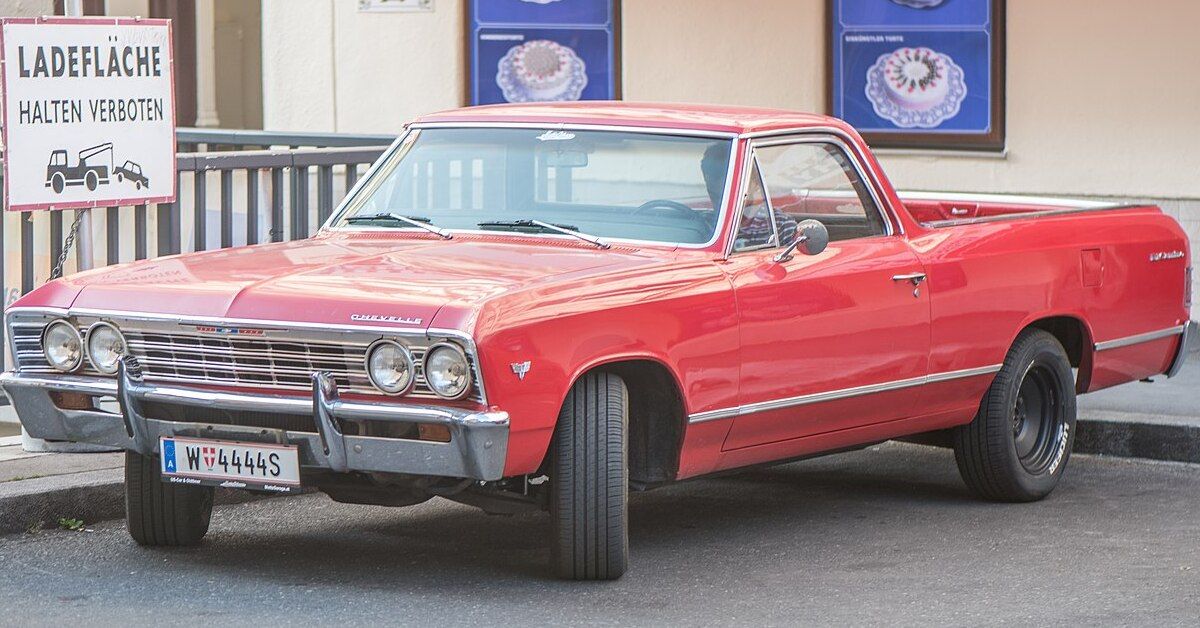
(206, 65)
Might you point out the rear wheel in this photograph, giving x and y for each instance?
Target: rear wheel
(92, 181)
(1017, 447)
(590, 481)
(161, 514)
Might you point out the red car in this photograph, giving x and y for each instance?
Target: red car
(545, 306)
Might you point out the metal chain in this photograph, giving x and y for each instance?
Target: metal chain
(67, 244)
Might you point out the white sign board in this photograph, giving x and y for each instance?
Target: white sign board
(89, 112)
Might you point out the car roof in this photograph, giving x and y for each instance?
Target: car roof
(713, 118)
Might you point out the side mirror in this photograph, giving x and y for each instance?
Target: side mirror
(811, 238)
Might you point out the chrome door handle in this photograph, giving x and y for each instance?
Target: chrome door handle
(915, 278)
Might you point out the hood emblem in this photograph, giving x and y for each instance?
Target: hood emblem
(521, 368)
(381, 318)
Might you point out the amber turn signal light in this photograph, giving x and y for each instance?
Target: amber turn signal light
(433, 432)
(72, 400)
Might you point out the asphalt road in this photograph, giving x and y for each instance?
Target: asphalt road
(883, 536)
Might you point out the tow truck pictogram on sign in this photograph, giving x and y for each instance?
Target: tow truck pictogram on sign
(87, 172)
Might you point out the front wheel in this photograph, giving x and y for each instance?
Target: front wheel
(590, 481)
(1017, 447)
(161, 514)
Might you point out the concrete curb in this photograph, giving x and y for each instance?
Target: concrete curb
(90, 496)
(1126, 435)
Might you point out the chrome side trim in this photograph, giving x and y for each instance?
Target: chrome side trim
(1117, 343)
(832, 395)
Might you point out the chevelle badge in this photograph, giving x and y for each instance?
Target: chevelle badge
(380, 318)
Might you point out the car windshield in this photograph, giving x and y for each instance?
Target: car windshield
(612, 184)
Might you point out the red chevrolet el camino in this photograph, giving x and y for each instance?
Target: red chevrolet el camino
(545, 306)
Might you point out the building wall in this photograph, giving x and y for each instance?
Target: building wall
(1095, 101)
(329, 67)
(26, 8)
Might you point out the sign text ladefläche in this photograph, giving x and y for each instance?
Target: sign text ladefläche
(89, 113)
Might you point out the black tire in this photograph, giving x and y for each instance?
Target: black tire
(58, 183)
(161, 514)
(590, 481)
(1016, 449)
(91, 180)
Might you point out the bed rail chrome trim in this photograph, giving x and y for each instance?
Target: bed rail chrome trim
(832, 395)
(974, 197)
(1049, 213)
(1117, 343)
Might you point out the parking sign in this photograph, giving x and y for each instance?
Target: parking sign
(89, 112)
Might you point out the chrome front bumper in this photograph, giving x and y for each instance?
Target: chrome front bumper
(477, 448)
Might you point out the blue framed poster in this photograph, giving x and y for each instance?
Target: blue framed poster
(919, 73)
(542, 50)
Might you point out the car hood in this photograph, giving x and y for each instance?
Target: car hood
(367, 279)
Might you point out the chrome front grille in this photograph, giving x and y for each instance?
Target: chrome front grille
(280, 359)
(257, 362)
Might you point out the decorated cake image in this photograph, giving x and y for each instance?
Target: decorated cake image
(541, 70)
(915, 4)
(916, 87)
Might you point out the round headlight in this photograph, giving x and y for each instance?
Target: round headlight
(390, 367)
(447, 371)
(105, 346)
(62, 346)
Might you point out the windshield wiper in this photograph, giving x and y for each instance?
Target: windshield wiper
(419, 222)
(537, 225)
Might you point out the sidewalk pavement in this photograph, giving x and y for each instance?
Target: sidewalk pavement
(1159, 421)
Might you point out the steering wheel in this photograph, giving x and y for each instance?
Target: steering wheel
(663, 204)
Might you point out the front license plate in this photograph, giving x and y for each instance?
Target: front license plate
(233, 465)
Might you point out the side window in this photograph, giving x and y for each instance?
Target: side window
(756, 228)
(816, 180)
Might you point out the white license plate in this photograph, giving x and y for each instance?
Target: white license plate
(233, 465)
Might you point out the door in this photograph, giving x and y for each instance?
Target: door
(831, 341)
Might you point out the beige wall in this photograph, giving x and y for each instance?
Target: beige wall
(766, 52)
(329, 67)
(26, 8)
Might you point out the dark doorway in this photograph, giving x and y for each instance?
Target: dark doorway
(182, 14)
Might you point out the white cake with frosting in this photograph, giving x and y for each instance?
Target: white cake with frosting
(916, 78)
(543, 67)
